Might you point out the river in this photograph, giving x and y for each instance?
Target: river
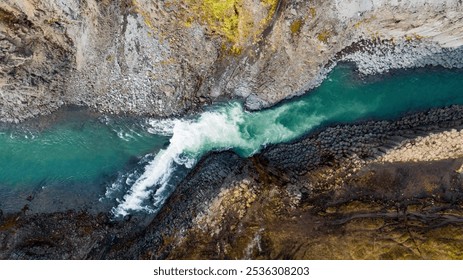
(131, 165)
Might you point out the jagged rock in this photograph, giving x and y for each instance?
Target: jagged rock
(157, 57)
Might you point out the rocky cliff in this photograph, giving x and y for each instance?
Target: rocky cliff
(377, 190)
(167, 57)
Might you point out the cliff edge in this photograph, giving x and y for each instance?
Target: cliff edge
(164, 58)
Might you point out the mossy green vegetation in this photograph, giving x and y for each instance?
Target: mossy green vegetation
(324, 36)
(296, 26)
(238, 22)
(312, 12)
(272, 6)
(413, 37)
(223, 16)
(230, 19)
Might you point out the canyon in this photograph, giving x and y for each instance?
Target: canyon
(371, 188)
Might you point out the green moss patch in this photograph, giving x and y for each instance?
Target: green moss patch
(296, 26)
(229, 19)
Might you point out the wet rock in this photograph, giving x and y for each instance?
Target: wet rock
(326, 190)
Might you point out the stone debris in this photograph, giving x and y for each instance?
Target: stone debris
(377, 59)
(154, 58)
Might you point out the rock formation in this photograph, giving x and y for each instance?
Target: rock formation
(382, 189)
(164, 58)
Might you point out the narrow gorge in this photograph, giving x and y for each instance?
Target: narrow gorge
(253, 129)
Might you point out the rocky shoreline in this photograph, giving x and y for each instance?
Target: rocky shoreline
(327, 183)
(167, 58)
(324, 183)
(374, 190)
(373, 58)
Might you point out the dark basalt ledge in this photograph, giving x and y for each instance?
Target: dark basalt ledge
(311, 201)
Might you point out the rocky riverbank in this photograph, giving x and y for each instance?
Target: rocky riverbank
(331, 191)
(331, 196)
(376, 189)
(165, 58)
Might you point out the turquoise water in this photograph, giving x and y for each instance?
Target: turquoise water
(89, 151)
(77, 150)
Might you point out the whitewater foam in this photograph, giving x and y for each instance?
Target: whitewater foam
(215, 130)
(231, 127)
(226, 127)
(161, 127)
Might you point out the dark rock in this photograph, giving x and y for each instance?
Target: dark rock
(322, 211)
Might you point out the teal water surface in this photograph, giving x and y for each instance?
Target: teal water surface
(342, 98)
(73, 151)
(84, 151)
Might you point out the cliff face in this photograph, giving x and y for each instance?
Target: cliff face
(111, 55)
(165, 57)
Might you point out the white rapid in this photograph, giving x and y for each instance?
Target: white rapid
(215, 130)
(226, 127)
(231, 127)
